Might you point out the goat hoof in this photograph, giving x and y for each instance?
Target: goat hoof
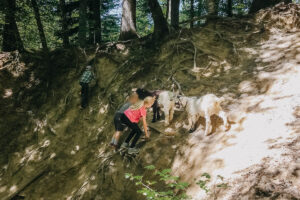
(227, 127)
(207, 134)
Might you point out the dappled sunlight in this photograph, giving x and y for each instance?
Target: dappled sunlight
(263, 117)
(13, 189)
(7, 93)
(57, 151)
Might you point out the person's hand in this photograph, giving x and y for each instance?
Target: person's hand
(146, 137)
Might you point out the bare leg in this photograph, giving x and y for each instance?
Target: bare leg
(116, 137)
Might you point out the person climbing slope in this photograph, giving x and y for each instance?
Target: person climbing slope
(119, 126)
(131, 117)
(85, 79)
(142, 93)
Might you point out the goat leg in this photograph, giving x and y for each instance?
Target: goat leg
(158, 115)
(193, 124)
(223, 115)
(172, 112)
(207, 125)
(166, 112)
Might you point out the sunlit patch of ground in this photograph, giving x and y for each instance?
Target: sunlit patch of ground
(269, 121)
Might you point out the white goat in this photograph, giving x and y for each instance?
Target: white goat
(204, 106)
(166, 101)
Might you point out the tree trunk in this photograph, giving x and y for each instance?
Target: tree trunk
(168, 13)
(199, 10)
(64, 30)
(90, 18)
(39, 24)
(175, 13)
(11, 36)
(160, 23)
(259, 4)
(128, 23)
(97, 21)
(82, 23)
(229, 8)
(192, 14)
(213, 7)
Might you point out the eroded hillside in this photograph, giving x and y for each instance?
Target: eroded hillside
(52, 150)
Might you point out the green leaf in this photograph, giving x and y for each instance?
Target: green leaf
(138, 177)
(166, 171)
(220, 177)
(128, 175)
(150, 167)
(222, 185)
(206, 175)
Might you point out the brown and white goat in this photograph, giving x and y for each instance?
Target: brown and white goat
(205, 106)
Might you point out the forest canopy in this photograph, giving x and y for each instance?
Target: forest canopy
(35, 24)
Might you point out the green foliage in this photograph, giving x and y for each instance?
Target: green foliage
(1, 27)
(172, 189)
(110, 19)
(144, 21)
(205, 178)
(27, 23)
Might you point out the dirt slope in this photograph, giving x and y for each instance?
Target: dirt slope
(52, 150)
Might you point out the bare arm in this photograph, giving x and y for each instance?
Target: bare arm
(145, 127)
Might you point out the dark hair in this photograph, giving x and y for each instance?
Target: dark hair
(142, 93)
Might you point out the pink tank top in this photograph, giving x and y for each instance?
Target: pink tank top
(135, 115)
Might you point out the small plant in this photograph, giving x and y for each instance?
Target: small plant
(222, 185)
(172, 190)
(205, 178)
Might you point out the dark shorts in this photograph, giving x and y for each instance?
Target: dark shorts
(119, 126)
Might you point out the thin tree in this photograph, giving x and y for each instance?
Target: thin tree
(175, 13)
(259, 4)
(160, 22)
(82, 23)
(128, 23)
(168, 10)
(97, 20)
(64, 30)
(11, 36)
(229, 8)
(199, 10)
(39, 24)
(91, 22)
(192, 14)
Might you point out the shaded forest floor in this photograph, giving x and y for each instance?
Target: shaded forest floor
(52, 150)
